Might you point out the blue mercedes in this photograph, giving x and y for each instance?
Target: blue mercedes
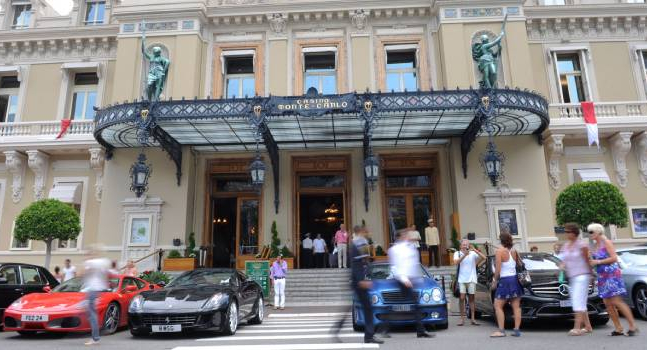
(392, 308)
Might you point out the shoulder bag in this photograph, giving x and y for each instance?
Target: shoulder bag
(455, 286)
(522, 274)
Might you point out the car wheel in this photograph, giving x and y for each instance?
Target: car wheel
(111, 319)
(258, 318)
(640, 301)
(27, 333)
(231, 320)
(356, 327)
(135, 333)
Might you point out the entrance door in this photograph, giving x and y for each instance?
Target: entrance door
(224, 231)
(404, 210)
(321, 214)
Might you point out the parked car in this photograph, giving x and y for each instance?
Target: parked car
(64, 308)
(392, 307)
(634, 272)
(547, 298)
(203, 299)
(17, 280)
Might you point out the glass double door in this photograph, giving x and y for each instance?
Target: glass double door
(407, 209)
(235, 227)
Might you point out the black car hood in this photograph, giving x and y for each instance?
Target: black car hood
(181, 298)
(544, 276)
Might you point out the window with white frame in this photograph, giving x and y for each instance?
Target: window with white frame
(84, 96)
(401, 68)
(95, 12)
(571, 77)
(554, 2)
(17, 244)
(239, 74)
(635, 1)
(320, 69)
(21, 14)
(643, 66)
(9, 88)
(70, 193)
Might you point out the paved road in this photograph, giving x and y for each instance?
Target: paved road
(309, 329)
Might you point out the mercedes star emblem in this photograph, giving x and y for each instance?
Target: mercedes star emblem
(563, 289)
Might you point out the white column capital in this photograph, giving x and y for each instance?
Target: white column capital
(640, 142)
(620, 147)
(555, 146)
(39, 163)
(16, 163)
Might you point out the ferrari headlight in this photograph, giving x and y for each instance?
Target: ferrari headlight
(426, 297)
(136, 305)
(375, 299)
(215, 301)
(16, 305)
(436, 294)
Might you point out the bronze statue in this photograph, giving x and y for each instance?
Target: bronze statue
(157, 69)
(487, 58)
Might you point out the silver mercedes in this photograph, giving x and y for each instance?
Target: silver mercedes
(634, 271)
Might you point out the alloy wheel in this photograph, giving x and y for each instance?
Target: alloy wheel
(111, 319)
(233, 317)
(259, 312)
(640, 302)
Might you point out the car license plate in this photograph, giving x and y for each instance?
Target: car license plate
(401, 308)
(34, 318)
(565, 303)
(167, 328)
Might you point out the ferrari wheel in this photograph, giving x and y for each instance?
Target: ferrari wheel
(258, 318)
(231, 321)
(111, 319)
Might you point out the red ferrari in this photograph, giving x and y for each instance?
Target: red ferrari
(63, 309)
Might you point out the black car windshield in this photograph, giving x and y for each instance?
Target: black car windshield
(384, 272)
(540, 262)
(634, 257)
(201, 277)
(76, 285)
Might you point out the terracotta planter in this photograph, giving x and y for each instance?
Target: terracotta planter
(180, 264)
(381, 258)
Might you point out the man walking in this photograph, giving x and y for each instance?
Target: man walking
(69, 270)
(320, 250)
(341, 242)
(278, 272)
(306, 246)
(404, 261)
(95, 281)
(468, 258)
(432, 240)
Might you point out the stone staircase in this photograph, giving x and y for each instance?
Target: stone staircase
(318, 287)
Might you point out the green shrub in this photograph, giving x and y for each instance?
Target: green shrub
(155, 277)
(285, 251)
(592, 201)
(379, 251)
(191, 252)
(456, 242)
(174, 254)
(276, 242)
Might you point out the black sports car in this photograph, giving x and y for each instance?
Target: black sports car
(18, 279)
(547, 298)
(203, 299)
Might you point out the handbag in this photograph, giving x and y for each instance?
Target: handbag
(523, 276)
(455, 287)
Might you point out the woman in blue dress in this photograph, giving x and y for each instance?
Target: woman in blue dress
(611, 287)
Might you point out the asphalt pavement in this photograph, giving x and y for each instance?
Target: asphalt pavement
(310, 329)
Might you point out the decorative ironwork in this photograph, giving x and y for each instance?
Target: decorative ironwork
(139, 174)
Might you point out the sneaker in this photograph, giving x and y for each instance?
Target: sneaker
(373, 340)
(91, 342)
(425, 335)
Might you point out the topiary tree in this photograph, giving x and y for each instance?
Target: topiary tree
(456, 242)
(47, 220)
(592, 201)
(275, 246)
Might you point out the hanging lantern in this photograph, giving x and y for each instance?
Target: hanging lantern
(139, 174)
(492, 163)
(257, 171)
(372, 169)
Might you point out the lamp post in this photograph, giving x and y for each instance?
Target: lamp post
(257, 171)
(492, 163)
(139, 174)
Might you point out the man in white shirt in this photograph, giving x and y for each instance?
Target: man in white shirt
(306, 246)
(95, 281)
(320, 250)
(467, 259)
(405, 264)
(432, 240)
(69, 271)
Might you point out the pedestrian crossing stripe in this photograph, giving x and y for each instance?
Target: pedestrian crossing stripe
(292, 325)
(307, 330)
(337, 346)
(325, 314)
(283, 337)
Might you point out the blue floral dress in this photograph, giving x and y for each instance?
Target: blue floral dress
(610, 283)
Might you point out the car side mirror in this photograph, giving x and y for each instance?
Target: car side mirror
(3, 280)
(130, 289)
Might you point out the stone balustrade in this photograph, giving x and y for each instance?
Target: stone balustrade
(602, 110)
(47, 128)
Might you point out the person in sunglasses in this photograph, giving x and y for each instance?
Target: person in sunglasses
(611, 287)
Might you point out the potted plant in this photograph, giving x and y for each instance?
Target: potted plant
(174, 261)
(379, 254)
(155, 277)
(275, 248)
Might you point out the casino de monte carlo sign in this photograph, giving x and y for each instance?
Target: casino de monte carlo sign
(312, 106)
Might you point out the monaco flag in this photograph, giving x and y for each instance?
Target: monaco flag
(588, 111)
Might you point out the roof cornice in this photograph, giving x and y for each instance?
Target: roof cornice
(59, 33)
(599, 10)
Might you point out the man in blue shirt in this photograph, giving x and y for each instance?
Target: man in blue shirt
(278, 272)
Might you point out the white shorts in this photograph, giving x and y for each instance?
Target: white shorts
(467, 288)
(579, 291)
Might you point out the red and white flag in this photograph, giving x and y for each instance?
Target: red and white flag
(65, 124)
(588, 111)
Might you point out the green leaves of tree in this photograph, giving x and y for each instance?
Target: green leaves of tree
(592, 201)
(47, 220)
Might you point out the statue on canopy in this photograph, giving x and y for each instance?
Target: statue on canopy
(157, 69)
(486, 53)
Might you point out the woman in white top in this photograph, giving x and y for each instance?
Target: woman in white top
(507, 286)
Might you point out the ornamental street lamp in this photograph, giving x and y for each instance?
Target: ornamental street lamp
(257, 171)
(492, 163)
(371, 169)
(139, 174)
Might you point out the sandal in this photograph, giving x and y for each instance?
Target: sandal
(498, 334)
(586, 331)
(460, 324)
(632, 333)
(474, 323)
(516, 333)
(575, 333)
(616, 334)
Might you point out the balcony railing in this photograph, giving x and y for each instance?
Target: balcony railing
(602, 110)
(46, 129)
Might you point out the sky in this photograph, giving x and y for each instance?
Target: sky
(61, 6)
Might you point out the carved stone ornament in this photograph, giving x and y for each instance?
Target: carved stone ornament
(555, 152)
(38, 163)
(641, 153)
(278, 22)
(16, 165)
(359, 18)
(620, 147)
(97, 159)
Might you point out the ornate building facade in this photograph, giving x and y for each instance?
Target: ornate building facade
(55, 67)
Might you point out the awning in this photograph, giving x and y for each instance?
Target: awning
(595, 174)
(67, 192)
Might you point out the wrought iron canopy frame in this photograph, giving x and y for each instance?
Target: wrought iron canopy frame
(321, 121)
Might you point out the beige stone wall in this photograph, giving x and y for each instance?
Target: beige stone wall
(361, 70)
(41, 98)
(613, 71)
(277, 72)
